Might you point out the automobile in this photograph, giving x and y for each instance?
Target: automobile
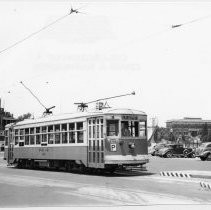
(176, 150)
(156, 148)
(204, 151)
(2, 147)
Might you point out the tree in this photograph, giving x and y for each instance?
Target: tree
(156, 134)
(204, 133)
(161, 133)
(171, 137)
(24, 116)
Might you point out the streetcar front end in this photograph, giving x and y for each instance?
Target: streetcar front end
(126, 140)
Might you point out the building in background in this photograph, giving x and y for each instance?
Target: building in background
(5, 118)
(188, 126)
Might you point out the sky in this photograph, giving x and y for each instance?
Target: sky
(112, 48)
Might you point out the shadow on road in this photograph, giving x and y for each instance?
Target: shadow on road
(91, 173)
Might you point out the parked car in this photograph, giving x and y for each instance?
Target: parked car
(204, 151)
(2, 148)
(156, 148)
(176, 150)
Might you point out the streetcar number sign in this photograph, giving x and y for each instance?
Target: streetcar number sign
(113, 147)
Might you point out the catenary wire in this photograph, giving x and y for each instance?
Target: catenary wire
(34, 33)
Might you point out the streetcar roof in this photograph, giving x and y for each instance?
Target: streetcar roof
(75, 115)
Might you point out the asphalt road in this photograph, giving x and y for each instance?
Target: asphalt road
(33, 188)
(157, 164)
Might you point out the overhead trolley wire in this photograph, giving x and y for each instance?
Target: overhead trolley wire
(191, 21)
(38, 31)
(162, 31)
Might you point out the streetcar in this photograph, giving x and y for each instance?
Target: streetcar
(103, 139)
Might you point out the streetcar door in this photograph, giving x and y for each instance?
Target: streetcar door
(95, 142)
(10, 146)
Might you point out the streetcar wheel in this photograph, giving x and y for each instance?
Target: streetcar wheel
(111, 171)
(19, 164)
(68, 166)
(82, 169)
(31, 164)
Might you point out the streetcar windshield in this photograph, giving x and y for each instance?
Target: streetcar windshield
(129, 128)
(133, 128)
(112, 127)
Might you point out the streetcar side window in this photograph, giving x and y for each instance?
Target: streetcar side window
(16, 140)
(31, 139)
(27, 140)
(57, 128)
(44, 137)
(38, 135)
(80, 137)
(26, 136)
(80, 132)
(27, 131)
(50, 128)
(44, 129)
(64, 133)
(112, 127)
(71, 133)
(32, 136)
(80, 126)
(64, 137)
(101, 128)
(143, 128)
(38, 130)
(57, 134)
(72, 126)
(50, 134)
(16, 132)
(21, 132)
(31, 130)
(16, 136)
(38, 139)
(21, 137)
(50, 138)
(71, 137)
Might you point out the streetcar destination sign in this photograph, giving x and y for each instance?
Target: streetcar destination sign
(129, 117)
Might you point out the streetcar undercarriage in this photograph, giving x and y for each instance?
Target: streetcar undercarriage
(75, 166)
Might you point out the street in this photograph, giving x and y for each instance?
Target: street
(158, 164)
(34, 188)
(89, 89)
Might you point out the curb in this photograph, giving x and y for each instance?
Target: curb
(175, 174)
(205, 185)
